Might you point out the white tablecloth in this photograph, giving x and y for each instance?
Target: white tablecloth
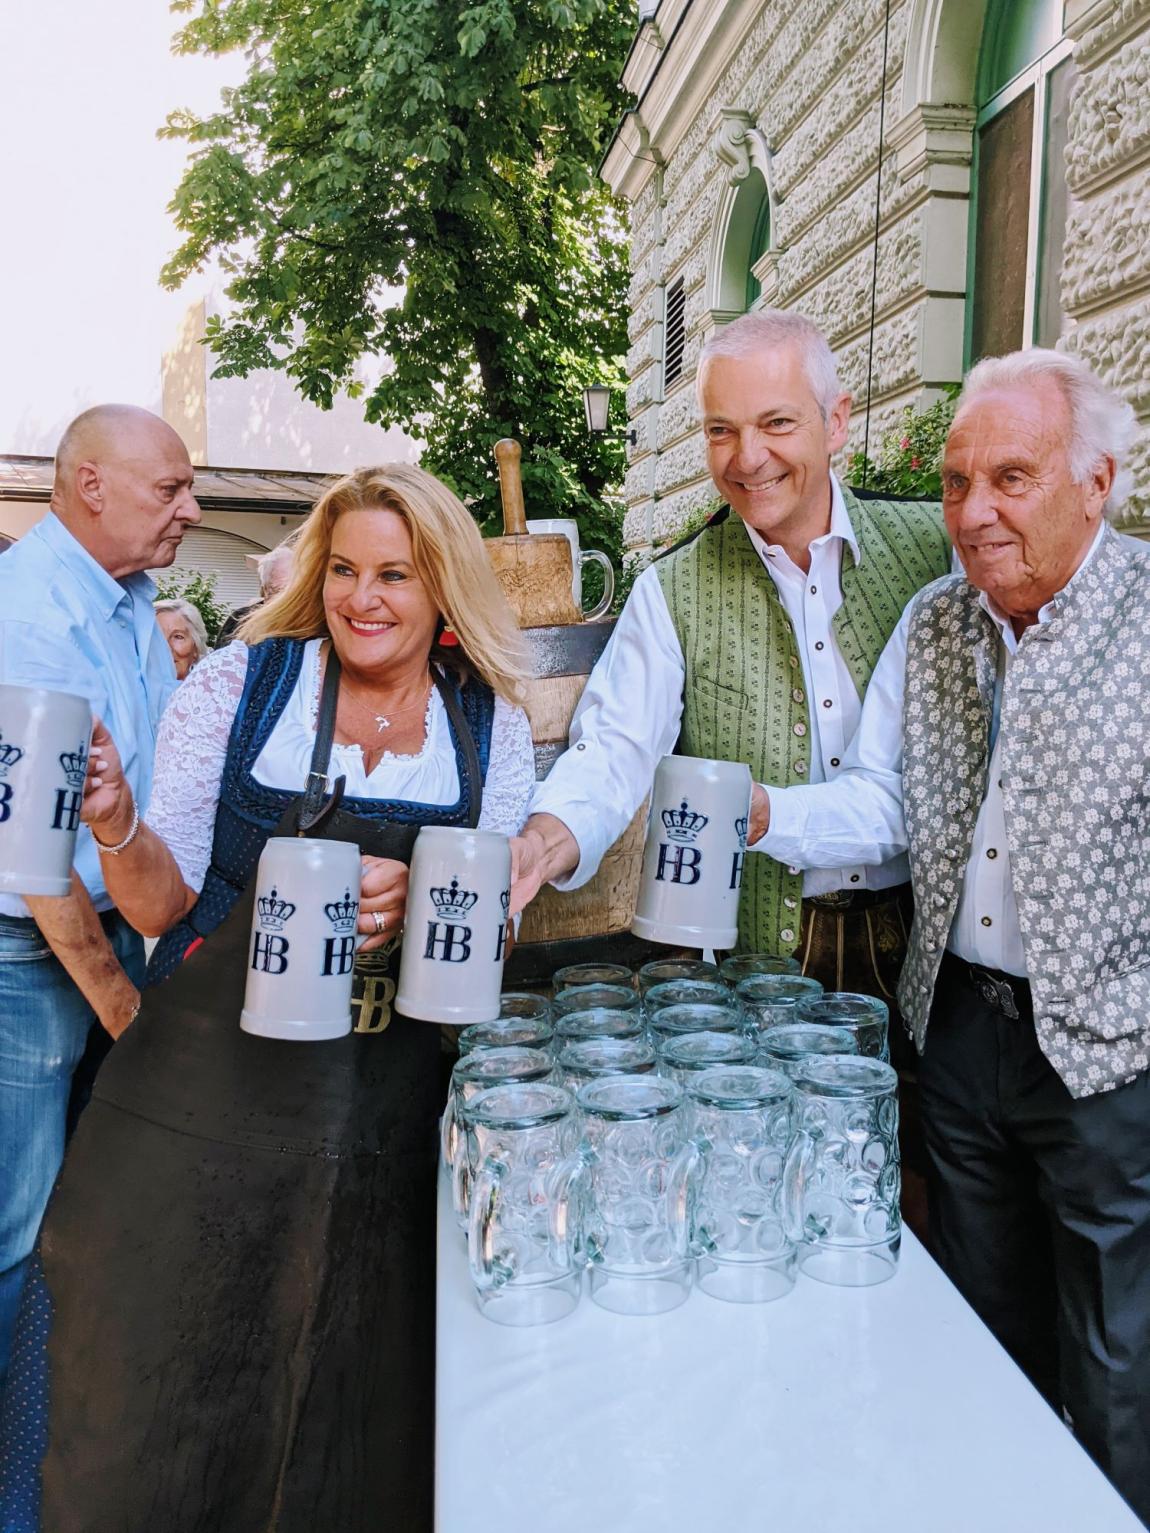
(833, 1410)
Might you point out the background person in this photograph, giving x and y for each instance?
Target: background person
(183, 627)
(273, 570)
(291, 1188)
(76, 616)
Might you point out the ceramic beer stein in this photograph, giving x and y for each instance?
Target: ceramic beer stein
(43, 758)
(303, 940)
(568, 527)
(693, 857)
(458, 896)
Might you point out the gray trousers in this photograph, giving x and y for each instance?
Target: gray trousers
(1040, 1215)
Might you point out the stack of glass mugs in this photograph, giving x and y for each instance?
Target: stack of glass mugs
(720, 1126)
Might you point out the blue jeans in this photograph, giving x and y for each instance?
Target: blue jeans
(50, 1044)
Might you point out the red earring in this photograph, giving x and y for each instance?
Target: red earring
(448, 637)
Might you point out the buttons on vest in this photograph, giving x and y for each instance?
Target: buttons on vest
(800, 728)
(789, 903)
(800, 769)
(798, 695)
(786, 935)
(794, 662)
(794, 872)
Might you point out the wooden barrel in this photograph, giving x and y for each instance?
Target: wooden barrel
(593, 922)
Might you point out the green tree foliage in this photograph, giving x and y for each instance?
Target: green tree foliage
(416, 178)
(199, 589)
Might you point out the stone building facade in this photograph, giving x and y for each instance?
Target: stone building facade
(1010, 208)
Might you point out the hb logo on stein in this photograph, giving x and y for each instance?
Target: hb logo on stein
(9, 756)
(739, 857)
(448, 938)
(270, 950)
(68, 800)
(339, 951)
(682, 862)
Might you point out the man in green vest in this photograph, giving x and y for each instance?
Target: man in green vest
(754, 641)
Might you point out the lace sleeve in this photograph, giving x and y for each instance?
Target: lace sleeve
(190, 751)
(510, 771)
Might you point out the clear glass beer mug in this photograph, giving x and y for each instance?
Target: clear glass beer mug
(741, 1129)
(589, 997)
(575, 974)
(524, 1020)
(478, 1071)
(522, 1240)
(589, 1059)
(633, 1193)
(692, 1017)
(598, 1022)
(841, 1181)
(770, 999)
(681, 992)
(683, 1056)
(865, 1015)
(661, 970)
(741, 966)
(786, 1047)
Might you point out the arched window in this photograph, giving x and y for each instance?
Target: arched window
(760, 244)
(742, 228)
(1018, 211)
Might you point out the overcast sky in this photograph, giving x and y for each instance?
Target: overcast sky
(83, 187)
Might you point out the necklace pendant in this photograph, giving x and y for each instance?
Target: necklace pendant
(381, 723)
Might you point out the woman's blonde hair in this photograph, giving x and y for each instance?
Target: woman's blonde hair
(449, 558)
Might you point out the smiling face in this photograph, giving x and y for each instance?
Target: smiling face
(381, 617)
(768, 446)
(1019, 523)
(180, 641)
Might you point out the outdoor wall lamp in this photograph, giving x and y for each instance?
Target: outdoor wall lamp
(596, 403)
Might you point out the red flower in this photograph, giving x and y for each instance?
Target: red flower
(905, 443)
(916, 463)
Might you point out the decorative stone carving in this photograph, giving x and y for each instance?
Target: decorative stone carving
(1110, 118)
(1124, 18)
(1106, 249)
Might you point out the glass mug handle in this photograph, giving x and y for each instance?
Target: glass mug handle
(603, 605)
(682, 1187)
(564, 1237)
(481, 1224)
(796, 1169)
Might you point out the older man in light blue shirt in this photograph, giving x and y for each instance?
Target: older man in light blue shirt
(76, 616)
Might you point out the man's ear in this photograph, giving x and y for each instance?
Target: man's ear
(838, 422)
(90, 487)
(1098, 486)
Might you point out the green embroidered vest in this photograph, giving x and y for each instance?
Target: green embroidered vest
(744, 698)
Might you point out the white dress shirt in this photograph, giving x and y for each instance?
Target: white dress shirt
(861, 815)
(629, 715)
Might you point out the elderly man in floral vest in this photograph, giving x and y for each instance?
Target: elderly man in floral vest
(1006, 739)
(754, 641)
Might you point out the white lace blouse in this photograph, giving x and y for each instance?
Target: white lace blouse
(193, 740)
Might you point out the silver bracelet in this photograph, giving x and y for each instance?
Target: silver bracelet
(133, 832)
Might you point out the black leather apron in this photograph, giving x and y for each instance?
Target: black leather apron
(241, 1255)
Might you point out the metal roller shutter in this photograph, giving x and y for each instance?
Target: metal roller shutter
(210, 551)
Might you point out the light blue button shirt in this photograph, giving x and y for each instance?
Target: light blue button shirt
(65, 623)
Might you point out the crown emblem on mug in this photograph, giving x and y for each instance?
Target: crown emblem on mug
(342, 913)
(75, 764)
(453, 904)
(505, 901)
(741, 830)
(683, 824)
(274, 911)
(9, 756)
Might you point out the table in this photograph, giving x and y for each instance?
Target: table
(832, 1410)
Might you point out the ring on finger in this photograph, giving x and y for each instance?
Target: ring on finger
(380, 921)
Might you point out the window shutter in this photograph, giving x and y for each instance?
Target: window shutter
(674, 333)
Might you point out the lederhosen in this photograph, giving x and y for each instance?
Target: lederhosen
(241, 1248)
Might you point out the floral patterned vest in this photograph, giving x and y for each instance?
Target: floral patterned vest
(1075, 765)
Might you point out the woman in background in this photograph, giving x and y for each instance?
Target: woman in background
(183, 627)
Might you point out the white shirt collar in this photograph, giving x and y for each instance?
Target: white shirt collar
(840, 528)
(1001, 620)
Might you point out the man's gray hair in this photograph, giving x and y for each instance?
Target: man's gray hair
(267, 564)
(1102, 423)
(190, 616)
(767, 329)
